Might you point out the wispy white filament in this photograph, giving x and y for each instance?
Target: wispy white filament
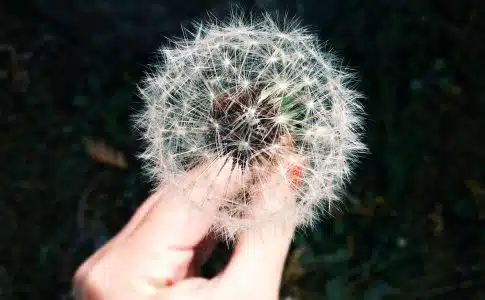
(250, 91)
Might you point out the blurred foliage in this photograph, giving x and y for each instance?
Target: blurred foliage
(412, 226)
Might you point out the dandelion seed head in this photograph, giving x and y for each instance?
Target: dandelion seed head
(251, 90)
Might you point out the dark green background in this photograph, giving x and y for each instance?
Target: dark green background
(412, 226)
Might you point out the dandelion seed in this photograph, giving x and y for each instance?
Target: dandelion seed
(250, 92)
(282, 119)
(245, 83)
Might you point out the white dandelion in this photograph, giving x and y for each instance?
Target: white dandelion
(250, 91)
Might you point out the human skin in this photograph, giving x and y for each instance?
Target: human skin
(154, 256)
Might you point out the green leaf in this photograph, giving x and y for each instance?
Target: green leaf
(335, 289)
(378, 291)
(79, 100)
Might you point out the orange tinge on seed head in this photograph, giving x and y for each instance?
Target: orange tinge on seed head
(295, 173)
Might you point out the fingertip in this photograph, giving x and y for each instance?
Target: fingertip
(185, 213)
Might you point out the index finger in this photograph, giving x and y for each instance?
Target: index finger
(184, 212)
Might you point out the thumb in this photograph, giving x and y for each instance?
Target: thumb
(257, 264)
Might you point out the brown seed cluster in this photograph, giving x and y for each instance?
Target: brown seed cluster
(244, 127)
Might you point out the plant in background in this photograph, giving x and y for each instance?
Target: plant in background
(250, 92)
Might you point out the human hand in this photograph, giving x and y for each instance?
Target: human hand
(154, 255)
